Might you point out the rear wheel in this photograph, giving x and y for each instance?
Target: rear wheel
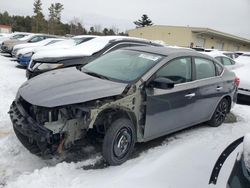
(219, 114)
(119, 141)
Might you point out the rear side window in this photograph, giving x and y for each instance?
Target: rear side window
(204, 68)
(226, 61)
(219, 59)
(37, 39)
(178, 70)
(219, 69)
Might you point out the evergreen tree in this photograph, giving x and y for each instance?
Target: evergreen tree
(144, 21)
(55, 25)
(39, 21)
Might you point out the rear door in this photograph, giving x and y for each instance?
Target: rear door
(210, 87)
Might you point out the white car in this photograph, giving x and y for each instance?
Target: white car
(68, 43)
(243, 73)
(223, 59)
(16, 35)
(22, 49)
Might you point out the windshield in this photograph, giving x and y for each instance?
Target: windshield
(122, 65)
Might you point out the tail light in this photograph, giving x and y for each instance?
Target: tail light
(237, 81)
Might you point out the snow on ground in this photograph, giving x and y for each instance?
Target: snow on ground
(184, 159)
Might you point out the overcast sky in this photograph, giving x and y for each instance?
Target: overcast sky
(229, 16)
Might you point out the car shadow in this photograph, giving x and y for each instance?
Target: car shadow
(20, 67)
(5, 54)
(83, 152)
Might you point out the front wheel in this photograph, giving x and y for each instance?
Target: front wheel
(119, 141)
(219, 114)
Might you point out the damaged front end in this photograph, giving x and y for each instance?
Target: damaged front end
(47, 131)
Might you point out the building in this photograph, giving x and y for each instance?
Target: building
(192, 36)
(5, 29)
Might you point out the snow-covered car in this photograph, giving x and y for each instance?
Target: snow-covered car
(130, 95)
(244, 87)
(240, 174)
(232, 55)
(223, 59)
(74, 41)
(24, 55)
(12, 36)
(7, 46)
(18, 47)
(244, 58)
(24, 52)
(81, 54)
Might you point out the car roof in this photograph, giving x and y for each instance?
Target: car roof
(215, 54)
(165, 51)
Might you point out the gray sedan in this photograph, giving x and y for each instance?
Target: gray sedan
(129, 95)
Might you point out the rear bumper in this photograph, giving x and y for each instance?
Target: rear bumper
(243, 91)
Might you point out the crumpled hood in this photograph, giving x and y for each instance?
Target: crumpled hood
(67, 86)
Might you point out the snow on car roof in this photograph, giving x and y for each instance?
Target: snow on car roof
(215, 54)
(33, 44)
(84, 49)
(84, 36)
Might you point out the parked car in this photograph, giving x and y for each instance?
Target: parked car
(24, 52)
(81, 54)
(71, 42)
(8, 45)
(24, 55)
(126, 96)
(13, 36)
(223, 59)
(244, 58)
(18, 47)
(232, 55)
(240, 174)
(244, 87)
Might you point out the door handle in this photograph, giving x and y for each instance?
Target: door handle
(190, 95)
(219, 88)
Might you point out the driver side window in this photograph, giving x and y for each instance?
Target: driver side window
(178, 70)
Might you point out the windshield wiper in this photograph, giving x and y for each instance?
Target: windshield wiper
(96, 75)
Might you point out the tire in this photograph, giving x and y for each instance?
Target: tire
(31, 146)
(219, 114)
(118, 142)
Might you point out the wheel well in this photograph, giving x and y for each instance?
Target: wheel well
(228, 98)
(107, 116)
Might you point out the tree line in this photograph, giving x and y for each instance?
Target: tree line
(53, 25)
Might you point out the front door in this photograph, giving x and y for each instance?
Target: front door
(168, 110)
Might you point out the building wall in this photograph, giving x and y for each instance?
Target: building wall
(176, 36)
(219, 43)
(183, 36)
(5, 30)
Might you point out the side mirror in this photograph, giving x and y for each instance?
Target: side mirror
(162, 83)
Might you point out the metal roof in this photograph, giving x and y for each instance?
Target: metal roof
(219, 34)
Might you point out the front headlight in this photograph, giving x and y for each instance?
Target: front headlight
(28, 54)
(48, 66)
